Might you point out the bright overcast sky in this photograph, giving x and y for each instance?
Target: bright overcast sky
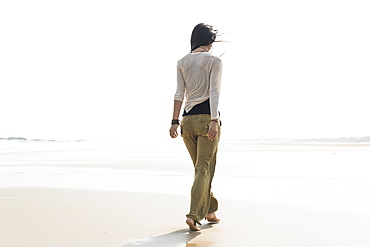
(106, 69)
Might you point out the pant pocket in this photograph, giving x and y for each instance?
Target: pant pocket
(203, 127)
(184, 127)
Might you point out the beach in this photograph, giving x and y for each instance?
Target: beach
(106, 194)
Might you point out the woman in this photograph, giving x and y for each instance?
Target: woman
(199, 79)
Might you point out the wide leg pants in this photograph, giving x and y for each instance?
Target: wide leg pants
(203, 153)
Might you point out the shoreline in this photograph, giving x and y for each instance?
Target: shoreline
(74, 217)
(107, 195)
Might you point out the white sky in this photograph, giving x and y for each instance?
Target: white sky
(106, 69)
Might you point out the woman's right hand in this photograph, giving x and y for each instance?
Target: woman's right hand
(173, 130)
(212, 131)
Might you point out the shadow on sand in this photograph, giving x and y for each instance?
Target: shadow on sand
(177, 238)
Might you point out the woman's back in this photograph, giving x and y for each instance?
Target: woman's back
(196, 70)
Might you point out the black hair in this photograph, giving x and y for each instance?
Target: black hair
(203, 34)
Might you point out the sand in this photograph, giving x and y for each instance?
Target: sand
(105, 195)
(79, 218)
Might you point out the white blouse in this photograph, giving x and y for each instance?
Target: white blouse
(199, 78)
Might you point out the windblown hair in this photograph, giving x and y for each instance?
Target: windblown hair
(203, 34)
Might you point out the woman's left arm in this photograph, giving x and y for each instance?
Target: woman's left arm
(176, 113)
(179, 97)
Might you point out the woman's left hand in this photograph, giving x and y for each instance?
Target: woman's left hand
(212, 131)
(173, 130)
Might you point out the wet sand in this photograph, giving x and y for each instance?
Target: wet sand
(266, 225)
(78, 218)
(106, 195)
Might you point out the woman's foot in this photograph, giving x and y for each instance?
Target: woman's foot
(192, 224)
(211, 217)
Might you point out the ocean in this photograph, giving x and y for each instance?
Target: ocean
(334, 176)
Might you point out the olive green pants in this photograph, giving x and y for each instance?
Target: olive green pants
(194, 129)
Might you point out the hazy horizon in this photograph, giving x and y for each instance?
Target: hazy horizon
(106, 70)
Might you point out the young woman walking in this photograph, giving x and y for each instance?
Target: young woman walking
(199, 80)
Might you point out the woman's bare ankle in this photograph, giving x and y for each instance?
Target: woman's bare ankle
(211, 217)
(192, 224)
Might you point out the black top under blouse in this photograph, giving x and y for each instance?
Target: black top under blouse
(202, 108)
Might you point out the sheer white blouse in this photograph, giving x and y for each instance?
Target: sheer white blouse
(199, 78)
